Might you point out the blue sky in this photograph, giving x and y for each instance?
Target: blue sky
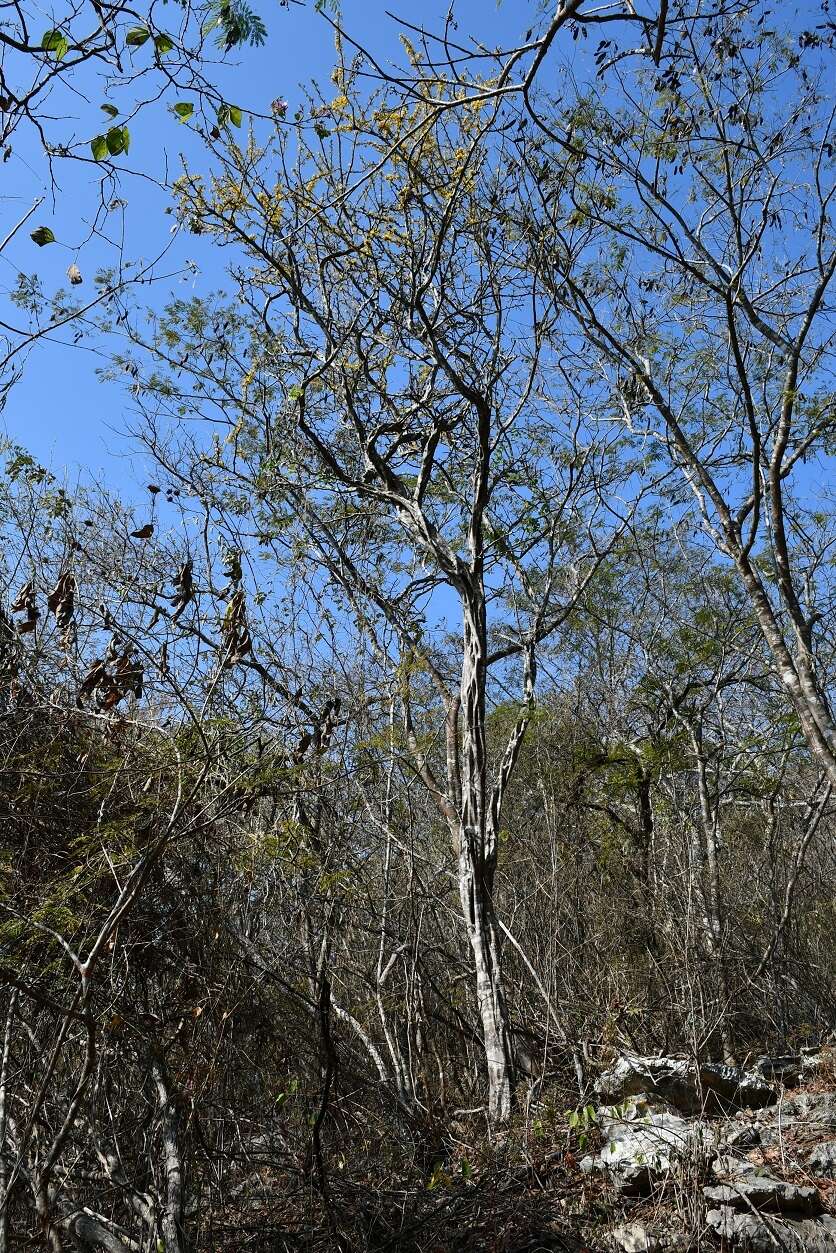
(59, 410)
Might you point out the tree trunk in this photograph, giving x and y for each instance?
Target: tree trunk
(172, 1207)
(477, 863)
(483, 934)
(710, 896)
(4, 1070)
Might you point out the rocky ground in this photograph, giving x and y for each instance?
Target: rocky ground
(669, 1157)
(703, 1156)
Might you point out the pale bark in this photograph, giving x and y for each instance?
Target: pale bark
(172, 1208)
(4, 1074)
(480, 920)
(478, 855)
(708, 888)
(94, 1231)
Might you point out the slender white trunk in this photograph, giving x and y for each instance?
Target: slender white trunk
(4, 1071)
(710, 896)
(172, 1207)
(482, 932)
(477, 866)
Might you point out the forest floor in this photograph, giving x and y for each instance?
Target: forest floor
(539, 1187)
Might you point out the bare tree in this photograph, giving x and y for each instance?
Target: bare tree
(691, 237)
(391, 399)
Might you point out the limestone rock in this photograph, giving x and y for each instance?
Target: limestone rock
(746, 1136)
(763, 1192)
(816, 1060)
(690, 1089)
(725, 1167)
(635, 1238)
(822, 1159)
(642, 1142)
(748, 1233)
(786, 1069)
(810, 1107)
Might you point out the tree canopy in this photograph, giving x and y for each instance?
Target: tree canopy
(448, 705)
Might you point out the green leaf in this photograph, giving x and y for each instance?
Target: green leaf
(118, 139)
(137, 36)
(438, 1177)
(163, 44)
(110, 110)
(183, 109)
(229, 114)
(43, 235)
(98, 147)
(56, 42)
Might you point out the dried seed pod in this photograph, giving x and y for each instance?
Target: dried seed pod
(25, 603)
(107, 696)
(231, 558)
(128, 674)
(302, 747)
(61, 600)
(25, 597)
(234, 630)
(9, 651)
(74, 275)
(184, 589)
(92, 680)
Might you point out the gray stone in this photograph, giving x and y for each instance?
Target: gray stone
(748, 1233)
(725, 1167)
(786, 1070)
(808, 1116)
(635, 1238)
(816, 1060)
(746, 1137)
(763, 1192)
(822, 1159)
(642, 1142)
(810, 1107)
(690, 1089)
